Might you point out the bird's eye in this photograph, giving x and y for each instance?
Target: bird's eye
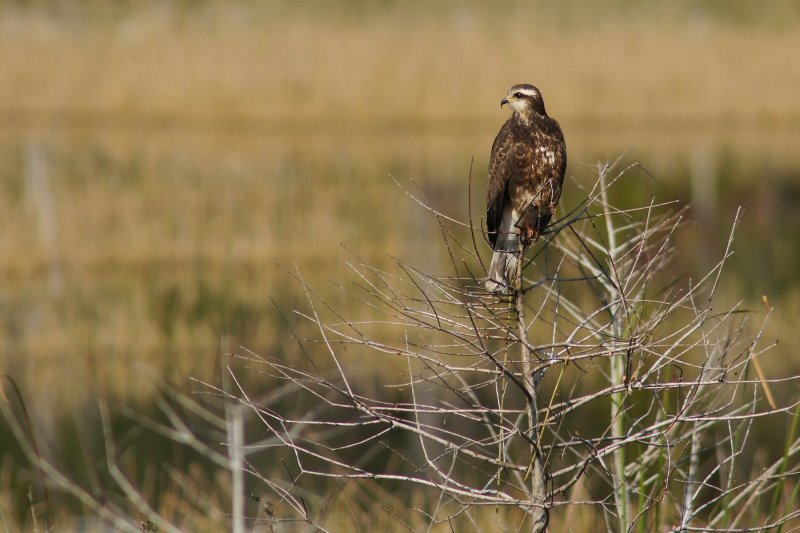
(518, 95)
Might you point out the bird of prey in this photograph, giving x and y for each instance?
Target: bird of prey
(526, 171)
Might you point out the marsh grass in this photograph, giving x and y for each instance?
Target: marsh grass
(160, 247)
(288, 64)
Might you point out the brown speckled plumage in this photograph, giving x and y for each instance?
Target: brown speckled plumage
(526, 172)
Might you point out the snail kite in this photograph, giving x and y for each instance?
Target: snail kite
(526, 172)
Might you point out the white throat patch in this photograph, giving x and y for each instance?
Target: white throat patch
(518, 105)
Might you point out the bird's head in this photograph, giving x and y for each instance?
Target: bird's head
(525, 100)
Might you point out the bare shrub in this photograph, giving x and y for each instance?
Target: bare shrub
(598, 374)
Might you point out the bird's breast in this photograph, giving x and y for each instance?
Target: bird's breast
(545, 155)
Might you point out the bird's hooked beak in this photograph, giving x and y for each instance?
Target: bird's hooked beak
(503, 102)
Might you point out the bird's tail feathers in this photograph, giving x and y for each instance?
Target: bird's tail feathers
(502, 272)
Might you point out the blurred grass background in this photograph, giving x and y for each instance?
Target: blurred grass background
(156, 158)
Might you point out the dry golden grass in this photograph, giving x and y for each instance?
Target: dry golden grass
(347, 67)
